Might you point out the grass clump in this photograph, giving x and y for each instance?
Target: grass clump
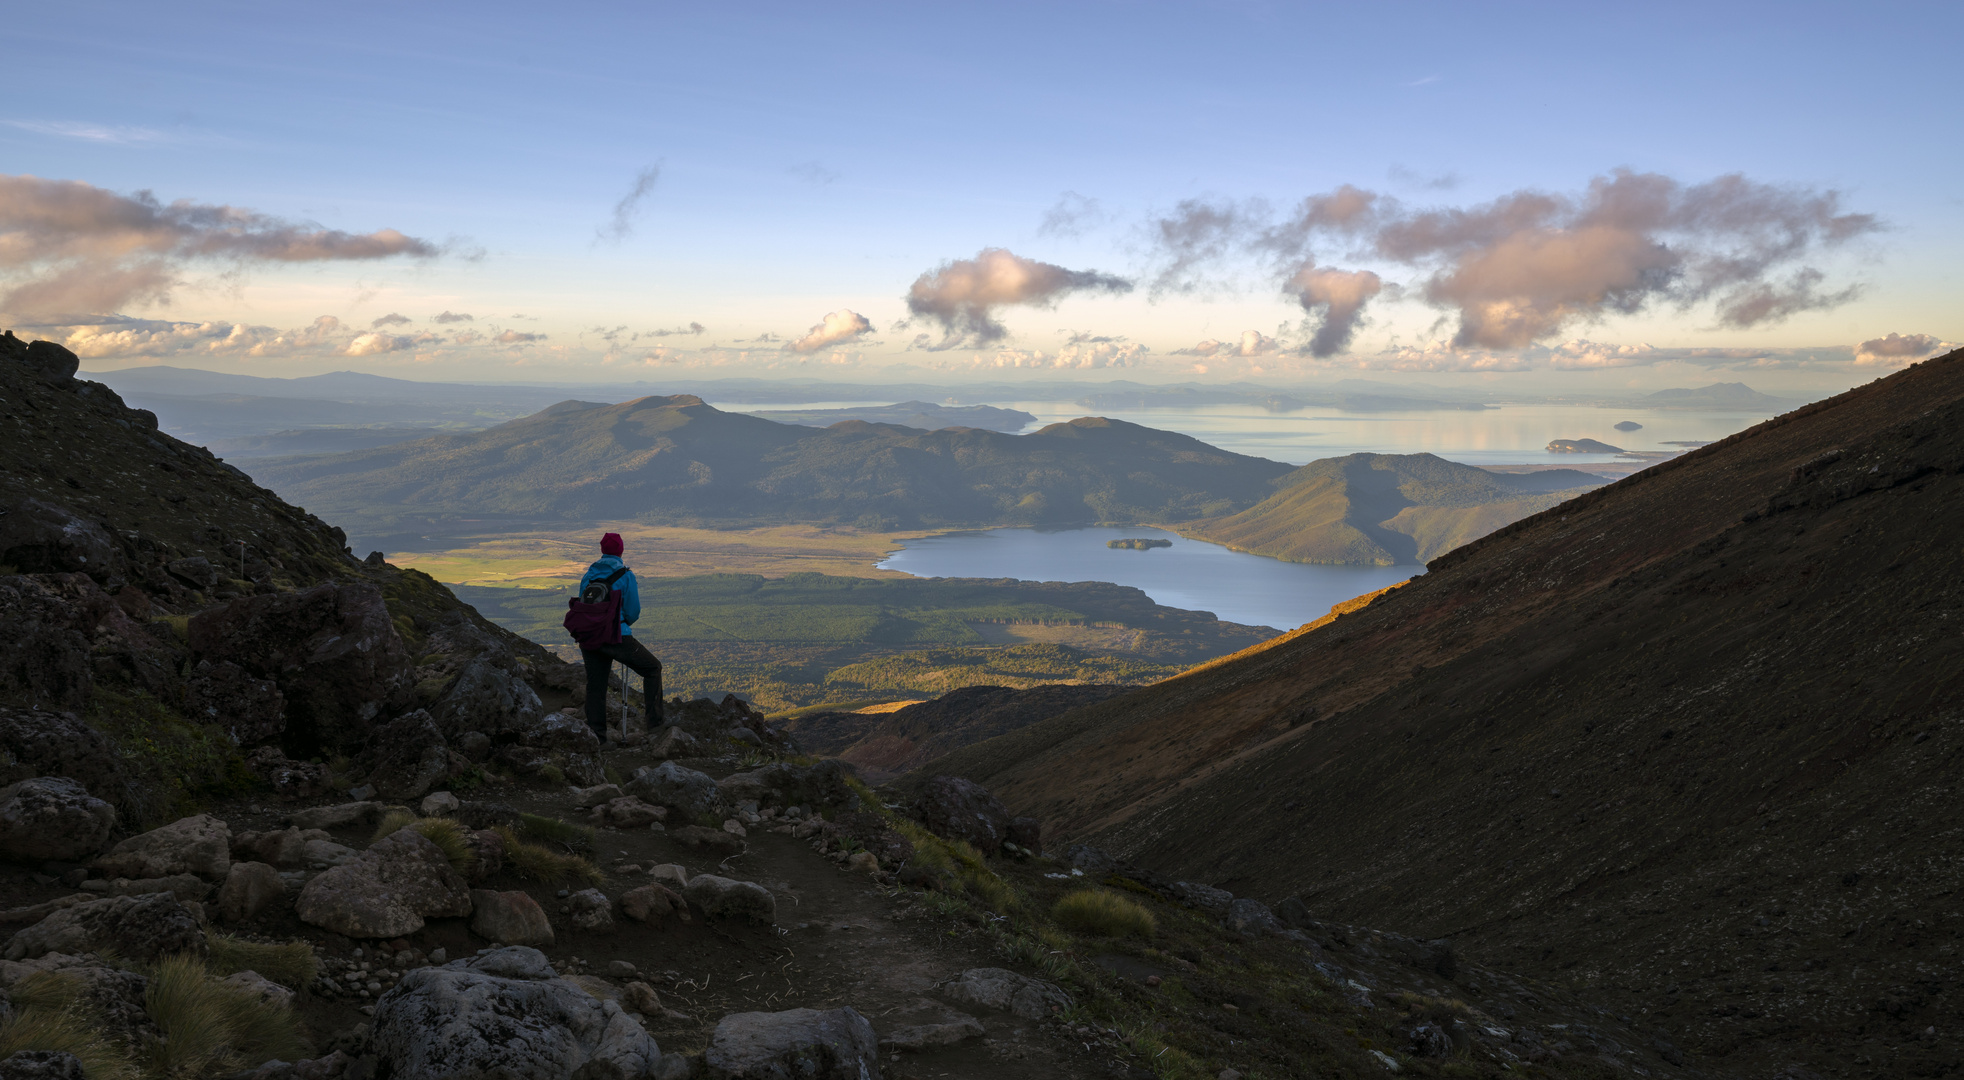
(537, 862)
(210, 1028)
(1103, 914)
(448, 834)
(48, 1016)
(551, 830)
(958, 862)
(289, 963)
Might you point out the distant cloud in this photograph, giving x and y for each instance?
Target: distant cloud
(1251, 343)
(1072, 215)
(1106, 355)
(837, 328)
(84, 131)
(1445, 181)
(963, 294)
(517, 337)
(1897, 350)
(68, 246)
(1338, 297)
(813, 173)
(391, 319)
(451, 317)
(621, 225)
(376, 344)
(1529, 265)
(692, 328)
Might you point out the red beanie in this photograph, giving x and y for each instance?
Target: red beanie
(610, 544)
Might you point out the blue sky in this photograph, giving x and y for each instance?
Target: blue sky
(811, 160)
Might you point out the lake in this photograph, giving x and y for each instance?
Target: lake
(1192, 574)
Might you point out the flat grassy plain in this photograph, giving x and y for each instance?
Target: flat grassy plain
(786, 635)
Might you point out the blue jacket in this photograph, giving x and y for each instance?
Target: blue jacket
(630, 592)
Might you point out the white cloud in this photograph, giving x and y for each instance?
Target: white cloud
(836, 328)
(963, 294)
(1898, 350)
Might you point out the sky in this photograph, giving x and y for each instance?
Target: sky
(1528, 197)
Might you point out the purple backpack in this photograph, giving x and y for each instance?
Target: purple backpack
(594, 616)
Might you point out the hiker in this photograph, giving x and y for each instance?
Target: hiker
(608, 589)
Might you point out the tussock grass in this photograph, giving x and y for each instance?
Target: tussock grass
(290, 963)
(539, 863)
(551, 830)
(448, 834)
(64, 1027)
(209, 1028)
(957, 861)
(1103, 914)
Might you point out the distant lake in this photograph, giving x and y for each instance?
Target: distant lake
(1505, 435)
(1238, 587)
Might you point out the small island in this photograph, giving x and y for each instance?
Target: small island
(1629, 425)
(1582, 446)
(1137, 543)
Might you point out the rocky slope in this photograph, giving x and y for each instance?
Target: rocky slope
(1386, 509)
(884, 745)
(1689, 742)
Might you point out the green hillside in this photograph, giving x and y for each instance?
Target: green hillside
(675, 460)
(1386, 509)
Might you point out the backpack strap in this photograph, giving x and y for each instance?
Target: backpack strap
(615, 576)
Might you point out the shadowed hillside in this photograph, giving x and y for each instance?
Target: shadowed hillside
(1689, 742)
(676, 459)
(1386, 509)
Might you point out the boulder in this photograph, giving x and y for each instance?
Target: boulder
(1006, 991)
(332, 648)
(42, 538)
(504, 1016)
(405, 757)
(673, 875)
(1248, 916)
(871, 832)
(475, 746)
(591, 911)
(1294, 913)
(1026, 833)
(441, 804)
(488, 695)
(959, 809)
(186, 887)
(1205, 897)
(250, 709)
(835, 1044)
(288, 778)
(597, 795)
(639, 997)
(193, 845)
(672, 742)
(690, 796)
(489, 849)
(652, 902)
(195, 571)
(112, 997)
(509, 918)
(284, 848)
(918, 1037)
(727, 898)
(41, 1065)
(138, 929)
(262, 989)
(60, 744)
(386, 891)
(563, 732)
(52, 818)
(249, 887)
(360, 814)
(784, 784)
(628, 812)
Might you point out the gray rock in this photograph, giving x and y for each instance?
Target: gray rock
(588, 798)
(592, 911)
(509, 918)
(251, 710)
(56, 743)
(195, 571)
(785, 784)
(137, 929)
(406, 757)
(918, 1037)
(263, 989)
(1006, 991)
(673, 742)
(183, 886)
(52, 817)
(488, 696)
(1205, 897)
(1294, 913)
(386, 891)
(726, 898)
(836, 1044)
(690, 796)
(323, 854)
(112, 997)
(44, 538)
(192, 845)
(474, 745)
(1246, 916)
(248, 889)
(440, 804)
(628, 812)
(961, 809)
(360, 814)
(1430, 1041)
(41, 1065)
(503, 1015)
(652, 902)
(1093, 861)
(715, 840)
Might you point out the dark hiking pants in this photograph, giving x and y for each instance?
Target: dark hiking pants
(600, 663)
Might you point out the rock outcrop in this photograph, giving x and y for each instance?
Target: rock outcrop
(52, 818)
(386, 891)
(138, 929)
(835, 1044)
(199, 845)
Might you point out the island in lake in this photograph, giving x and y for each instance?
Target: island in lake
(1138, 543)
(1582, 446)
